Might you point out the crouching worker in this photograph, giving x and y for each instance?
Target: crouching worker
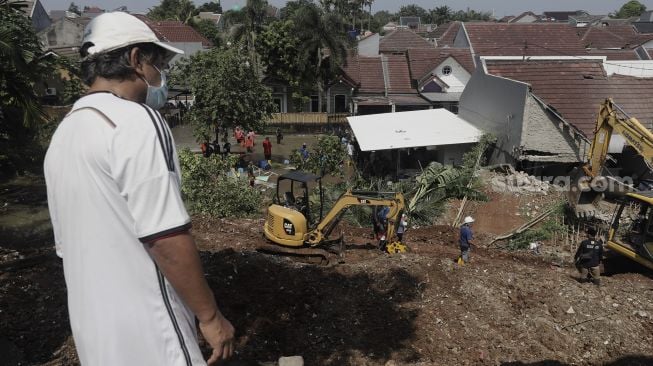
(588, 258)
(134, 279)
(465, 241)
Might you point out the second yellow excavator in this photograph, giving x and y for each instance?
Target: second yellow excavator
(631, 238)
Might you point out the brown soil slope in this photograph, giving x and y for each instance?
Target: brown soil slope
(375, 309)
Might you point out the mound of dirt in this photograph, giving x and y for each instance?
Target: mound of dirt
(418, 308)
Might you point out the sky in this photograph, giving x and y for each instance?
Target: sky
(500, 8)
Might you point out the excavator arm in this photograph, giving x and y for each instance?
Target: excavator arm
(608, 122)
(611, 119)
(393, 200)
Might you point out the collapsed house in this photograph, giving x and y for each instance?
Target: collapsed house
(543, 111)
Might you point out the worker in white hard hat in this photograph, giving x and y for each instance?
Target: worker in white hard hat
(134, 279)
(466, 237)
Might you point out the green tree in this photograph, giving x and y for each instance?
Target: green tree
(22, 66)
(208, 190)
(380, 19)
(632, 8)
(318, 31)
(280, 50)
(208, 29)
(250, 23)
(181, 10)
(441, 14)
(226, 90)
(413, 10)
(212, 6)
(288, 11)
(326, 157)
(233, 17)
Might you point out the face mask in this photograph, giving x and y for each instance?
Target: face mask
(157, 95)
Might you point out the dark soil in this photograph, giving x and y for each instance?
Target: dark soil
(418, 308)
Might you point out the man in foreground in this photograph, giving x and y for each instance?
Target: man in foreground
(134, 278)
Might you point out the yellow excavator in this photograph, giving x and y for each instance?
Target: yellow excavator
(634, 238)
(297, 230)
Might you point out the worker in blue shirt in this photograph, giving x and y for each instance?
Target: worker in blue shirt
(304, 151)
(466, 237)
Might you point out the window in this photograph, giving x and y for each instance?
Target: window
(279, 101)
(315, 103)
(340, 102)
(446, 70)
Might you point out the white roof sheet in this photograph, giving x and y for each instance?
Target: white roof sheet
(431, 127)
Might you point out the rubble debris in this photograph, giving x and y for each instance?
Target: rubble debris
(520, 182)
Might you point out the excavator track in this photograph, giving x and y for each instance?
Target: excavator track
(317, 256)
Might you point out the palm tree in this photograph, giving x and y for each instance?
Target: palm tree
(441, 14)
(250, 27)
(369, 14)
(323, 37)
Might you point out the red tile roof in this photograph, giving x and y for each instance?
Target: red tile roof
(174, 31)
(576, 88)
(613, 36)
(621, 55)
(423, 61)
(449, 35)
(367, 73)
(398, 74)
(402, 39)
(530, 39)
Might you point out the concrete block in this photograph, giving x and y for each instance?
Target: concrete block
(291, 361)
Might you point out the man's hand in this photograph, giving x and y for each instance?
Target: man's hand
(180, 263)
(219, 333)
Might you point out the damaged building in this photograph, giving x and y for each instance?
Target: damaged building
(543, 111)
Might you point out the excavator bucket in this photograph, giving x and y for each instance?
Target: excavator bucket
(582, 195)
(396, 247)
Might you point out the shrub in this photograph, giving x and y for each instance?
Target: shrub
(209, 190)
(326, 157)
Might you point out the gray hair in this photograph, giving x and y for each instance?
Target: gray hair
(115, 64)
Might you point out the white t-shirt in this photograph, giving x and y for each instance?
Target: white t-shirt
(113, 183)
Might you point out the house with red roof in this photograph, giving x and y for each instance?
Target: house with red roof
(400, 40)
(381, 84)
(619, 41)
(178, 35)
(441, 74)
(35, 11)
(519, 39)
(543, 111)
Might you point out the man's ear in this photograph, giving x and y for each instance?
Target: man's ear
(136, 62)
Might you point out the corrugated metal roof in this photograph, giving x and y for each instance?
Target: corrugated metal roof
(431, 127)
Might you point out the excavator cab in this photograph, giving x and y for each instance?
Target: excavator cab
(292, 223)
(631, 232)
(289, 217)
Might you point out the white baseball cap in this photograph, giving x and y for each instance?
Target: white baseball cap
(468, 220)
(114, 30)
